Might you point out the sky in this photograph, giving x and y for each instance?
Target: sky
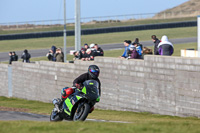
(36, 10)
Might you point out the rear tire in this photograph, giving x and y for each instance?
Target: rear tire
(83, 113)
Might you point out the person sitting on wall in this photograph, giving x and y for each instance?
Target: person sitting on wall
(89, 55)
(99, 50)
(86, 46)
(127, 44)
(133, 54)
(138, 49)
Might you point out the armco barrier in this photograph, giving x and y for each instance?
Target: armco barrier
(99, 30)
(157, 84)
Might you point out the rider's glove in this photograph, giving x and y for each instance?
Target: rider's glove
(78, 86)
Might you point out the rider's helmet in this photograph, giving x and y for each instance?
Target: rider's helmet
(94, 71)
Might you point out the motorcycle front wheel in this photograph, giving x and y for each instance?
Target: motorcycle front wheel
(55, 117)
(81, 112)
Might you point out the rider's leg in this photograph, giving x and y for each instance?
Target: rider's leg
(64, 94)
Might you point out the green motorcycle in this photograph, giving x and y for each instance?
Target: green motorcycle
(79, 104)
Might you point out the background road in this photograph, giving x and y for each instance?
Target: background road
(42, 52)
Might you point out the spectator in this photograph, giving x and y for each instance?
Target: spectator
(76, 55)
(84, 54)
(86, 46)
(59, 55)
(10, 57)
(165, 47)
(127, 44)
(92, 46)
(26, 56)
(156, 41)
(138, 49)
(99, 50)
(15, 56)
(138, 43)
(90, 55)
(133, 54)
(51, 54)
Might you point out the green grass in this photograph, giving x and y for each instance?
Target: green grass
(139, 122)
(100, 25)
(144, 35)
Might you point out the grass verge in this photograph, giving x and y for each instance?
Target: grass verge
(140, 122)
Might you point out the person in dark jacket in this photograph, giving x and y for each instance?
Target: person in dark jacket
(133, 54)
(10, 57)
(26, 56)
(15, 56)
(99, 50)
(51, 55)
(156, 41)
(165, 47)
(89, 55)
(92, 74)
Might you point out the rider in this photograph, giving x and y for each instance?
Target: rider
(93, 73)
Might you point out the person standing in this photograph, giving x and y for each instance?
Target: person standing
(156, 41)
(15, 56)
(165, 47)
(26, 56)
(59, 55)
(10, 57)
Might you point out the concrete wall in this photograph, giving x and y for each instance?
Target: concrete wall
(4, 80)
(157, 84)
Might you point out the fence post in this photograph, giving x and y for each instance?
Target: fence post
(10, 81)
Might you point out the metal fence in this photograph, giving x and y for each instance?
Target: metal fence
(95, 20)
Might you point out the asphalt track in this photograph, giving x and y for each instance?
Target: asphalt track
(13, 115)
(42, 52)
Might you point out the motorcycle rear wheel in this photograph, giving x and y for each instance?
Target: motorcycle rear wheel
(81, 113)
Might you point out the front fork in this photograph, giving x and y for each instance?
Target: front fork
(55, 103)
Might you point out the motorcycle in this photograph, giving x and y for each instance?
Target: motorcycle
(78, 105)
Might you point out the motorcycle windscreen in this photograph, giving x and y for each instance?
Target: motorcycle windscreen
(91, 89)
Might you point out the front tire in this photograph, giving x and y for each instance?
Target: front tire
(82, 112)
(55, 117)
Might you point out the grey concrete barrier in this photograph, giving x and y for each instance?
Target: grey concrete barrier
(158, 84)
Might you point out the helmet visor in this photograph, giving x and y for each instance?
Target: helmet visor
(95, 72)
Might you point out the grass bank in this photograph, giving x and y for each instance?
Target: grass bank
(96, 25)
(139, 122)
(108, 38)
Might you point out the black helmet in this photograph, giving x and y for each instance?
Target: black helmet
(94, 71)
